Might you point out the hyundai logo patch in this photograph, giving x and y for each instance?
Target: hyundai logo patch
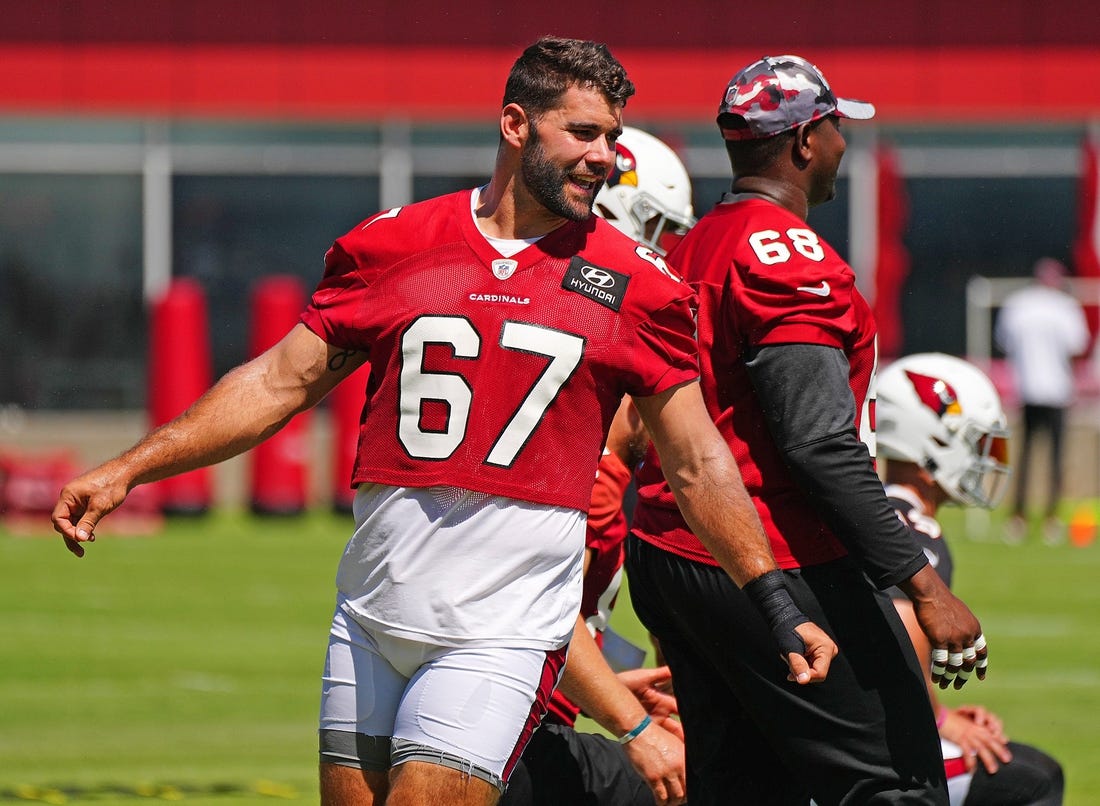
(600, 278)
(605, 286)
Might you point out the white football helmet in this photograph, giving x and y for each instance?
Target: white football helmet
(944, 414)
(648, 194)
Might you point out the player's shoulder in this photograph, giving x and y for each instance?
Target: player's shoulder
(397, 228)
(609, 248)
(749, 230)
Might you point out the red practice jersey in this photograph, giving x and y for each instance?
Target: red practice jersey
(762, 278)
(498, 375)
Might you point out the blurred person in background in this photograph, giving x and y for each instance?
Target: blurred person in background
(943, 434)
(502, 325)
(787, 347)
(647, 197)
(1041, 329)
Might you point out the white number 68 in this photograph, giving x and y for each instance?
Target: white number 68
(770, 249)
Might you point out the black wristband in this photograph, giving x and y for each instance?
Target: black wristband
(769, 594)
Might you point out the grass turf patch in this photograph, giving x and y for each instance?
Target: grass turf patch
(186, 665)
(190, 659)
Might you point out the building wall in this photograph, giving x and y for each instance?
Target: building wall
(938, 60)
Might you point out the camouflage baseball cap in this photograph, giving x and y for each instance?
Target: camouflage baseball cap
(778, 93)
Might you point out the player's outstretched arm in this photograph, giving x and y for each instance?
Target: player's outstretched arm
(707, 484)
(245, 407)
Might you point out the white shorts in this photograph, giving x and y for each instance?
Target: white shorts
(386, 700)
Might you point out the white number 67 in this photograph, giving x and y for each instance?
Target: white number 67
(417, 385)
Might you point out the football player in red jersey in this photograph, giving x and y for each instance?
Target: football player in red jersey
(787, 351)
(502, 326)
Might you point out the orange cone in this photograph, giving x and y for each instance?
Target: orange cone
(1082, 527)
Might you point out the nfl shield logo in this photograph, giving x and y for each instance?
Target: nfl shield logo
(504, 268)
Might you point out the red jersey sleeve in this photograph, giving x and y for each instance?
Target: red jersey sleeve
(663, 307)
(334, 300)
(349, 267)
(667, 345)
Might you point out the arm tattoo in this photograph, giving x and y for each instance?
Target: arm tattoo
(337, 360)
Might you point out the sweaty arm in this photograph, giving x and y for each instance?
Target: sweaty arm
(804, 393)
(245, 407)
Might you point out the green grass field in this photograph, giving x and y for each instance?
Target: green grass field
(185, 666)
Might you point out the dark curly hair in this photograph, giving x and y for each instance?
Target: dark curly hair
(551, 65)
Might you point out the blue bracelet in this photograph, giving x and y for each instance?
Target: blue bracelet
(631, 735)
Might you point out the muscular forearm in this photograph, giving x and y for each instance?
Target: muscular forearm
(245, 407)
(229, 419)
(719, 511)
